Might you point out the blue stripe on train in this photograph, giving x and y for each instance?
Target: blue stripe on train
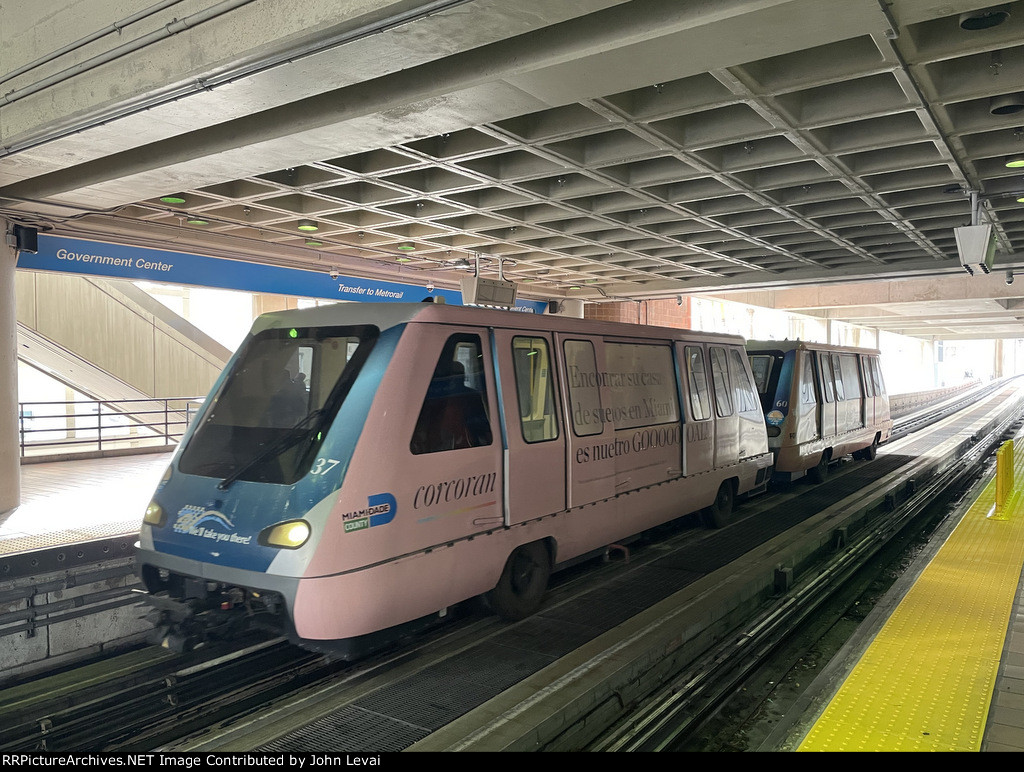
(221, 527)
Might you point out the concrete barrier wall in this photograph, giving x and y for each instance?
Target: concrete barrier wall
(902, 404)
(55, 618)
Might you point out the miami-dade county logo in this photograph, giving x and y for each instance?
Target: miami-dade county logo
(196, 521)
(380, 509)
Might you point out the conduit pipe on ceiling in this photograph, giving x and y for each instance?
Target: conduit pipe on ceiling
(168, 30)
(110, 29)
(611, 27)
(428, 9)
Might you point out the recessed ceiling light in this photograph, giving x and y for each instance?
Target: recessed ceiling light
(314, 243)
(197, 221)
(404, 259)
(1006, 104)
(308, 225)
(986, 18)
(407, 246)
(172, 199)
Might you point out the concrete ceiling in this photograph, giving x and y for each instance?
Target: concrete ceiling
(599, 148)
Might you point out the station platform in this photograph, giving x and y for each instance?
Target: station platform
(70, 502)
(941, 666)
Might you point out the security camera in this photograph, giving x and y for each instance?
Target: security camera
(1009, 277)
(333, 273)
(430, 286)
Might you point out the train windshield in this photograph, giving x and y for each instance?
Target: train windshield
(765, 367)
(275, 405)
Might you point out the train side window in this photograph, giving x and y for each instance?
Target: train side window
(745, 400)
(720, 379)
(696, 377)
(876, 374)
(532, 363)
(865, 367)
(838, 373)
(827, 387)
(761, 366)
(584, 389)
(641, 385)
(454, 413)
(807, 379)
(851, 377)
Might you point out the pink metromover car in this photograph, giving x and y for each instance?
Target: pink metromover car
(359, 469)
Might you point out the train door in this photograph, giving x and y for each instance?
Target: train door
(748, 409)
(454, 470)
(867, 383)
(534, 434)
(590, 439)
(698, 426)
(881, 396)
(804, 400)
(827, 405)
(853, 409)
(726, 421)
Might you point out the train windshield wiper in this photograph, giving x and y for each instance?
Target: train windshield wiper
(291, 436)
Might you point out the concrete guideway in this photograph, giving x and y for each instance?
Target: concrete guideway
(568, 702)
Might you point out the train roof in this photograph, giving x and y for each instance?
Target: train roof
(385, 315)
(791, 345)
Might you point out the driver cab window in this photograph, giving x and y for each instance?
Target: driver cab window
(454, 412)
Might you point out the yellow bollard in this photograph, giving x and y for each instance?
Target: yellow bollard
(1004, 478)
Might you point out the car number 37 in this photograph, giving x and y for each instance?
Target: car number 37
(323, 465)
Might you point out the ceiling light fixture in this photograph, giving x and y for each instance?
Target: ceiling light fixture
(314, 243)
(408, 246)
(175, 199)
(984, 18)
(308, 225)
(1015, 161)
(1006, 104)
(197, 221)
(403, 259)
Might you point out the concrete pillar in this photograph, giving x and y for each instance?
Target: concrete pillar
(10, 454)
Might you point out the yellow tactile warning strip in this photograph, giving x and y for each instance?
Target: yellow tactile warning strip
(926, 681)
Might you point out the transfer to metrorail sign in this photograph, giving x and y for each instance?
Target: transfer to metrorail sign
(96, 258)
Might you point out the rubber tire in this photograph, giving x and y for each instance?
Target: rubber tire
(818, 474)
(523, 582)
(869, 453)
(719, 514)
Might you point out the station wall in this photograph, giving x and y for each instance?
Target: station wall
(96, 322)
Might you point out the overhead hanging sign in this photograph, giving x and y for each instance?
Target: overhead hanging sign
(96, 258)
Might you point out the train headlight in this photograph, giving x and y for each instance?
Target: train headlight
(774, 431)
(155, 515)
(290, 535)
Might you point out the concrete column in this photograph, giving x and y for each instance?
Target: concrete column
(10, 455)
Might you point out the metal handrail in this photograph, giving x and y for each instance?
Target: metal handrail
(53, 425)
